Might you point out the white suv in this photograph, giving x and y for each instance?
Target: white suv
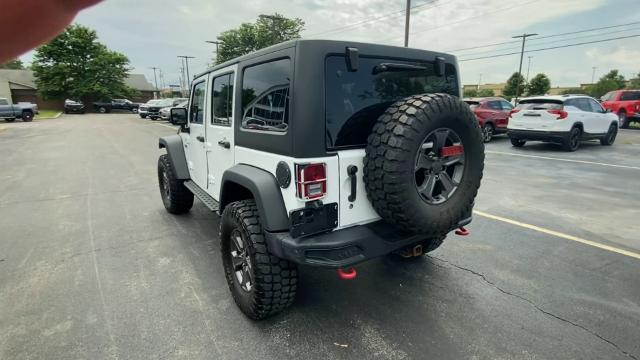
(563, 119)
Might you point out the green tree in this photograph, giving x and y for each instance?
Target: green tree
(266, 31)
(470, 93)
(634, 83)
(609, 82)
(572, 91)
(515, 83)
(539, 85)
(486, 93)
(15, 64)
(76, 65)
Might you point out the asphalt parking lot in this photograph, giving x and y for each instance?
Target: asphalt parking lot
(93, 267)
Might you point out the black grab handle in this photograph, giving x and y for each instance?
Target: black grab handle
(351, 171)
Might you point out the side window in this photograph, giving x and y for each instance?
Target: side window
(265, 96)
(572, 105)
(506, 106)
(584, 105)
(595, 106)
(630, 95)
(608, 96)
(494, 105)
(222, 100)
(196, 112)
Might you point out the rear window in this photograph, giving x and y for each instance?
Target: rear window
(540, 104)
(355, 100)
(472, 104)
(630, 95)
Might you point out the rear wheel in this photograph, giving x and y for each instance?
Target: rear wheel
(610, 137)
(261, 283)
(623, 120)
(177, 199)
(517, 142)
(27, 116)
(572, 142)
(487, 132)
(143, 116)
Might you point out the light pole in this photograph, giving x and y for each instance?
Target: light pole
(593, 74)
(186, 60)
(406, 23)
(479, 81)
(524, 38)
(155, 79)
(528, 68)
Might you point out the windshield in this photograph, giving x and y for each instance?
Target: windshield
(165, 102)
(540, 104)
(472, 104)
(354, 100)
(152, 102)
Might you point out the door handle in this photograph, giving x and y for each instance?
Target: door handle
(225, 144)
(200, 138)
(351, 171)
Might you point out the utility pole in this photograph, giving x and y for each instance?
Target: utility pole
(406, 24)
(528, 68)
(217, 43)
(479, 81)
(524, 38)
(186, 60)
(155, 79)
(593, 74)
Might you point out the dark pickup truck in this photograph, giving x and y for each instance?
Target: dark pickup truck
(9, 112)
(116, 104)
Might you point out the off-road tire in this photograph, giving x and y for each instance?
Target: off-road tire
(389, 164)
(27, 116)
(517, 142)
(274, 279)
(572, 141)
(623, 119)
(610, 136)
(177, 199)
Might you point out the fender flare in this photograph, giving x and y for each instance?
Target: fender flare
(175, 150)
(265, 191)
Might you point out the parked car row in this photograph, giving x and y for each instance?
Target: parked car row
(153, 109)
(563, 119)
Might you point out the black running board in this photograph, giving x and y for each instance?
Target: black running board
(210, 202)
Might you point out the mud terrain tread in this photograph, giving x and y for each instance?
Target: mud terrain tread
(181, 199)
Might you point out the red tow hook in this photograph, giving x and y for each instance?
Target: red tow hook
(462, 231)
(347, 274)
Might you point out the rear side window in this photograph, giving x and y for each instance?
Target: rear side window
(265, 96)
(495, 105)
(222, 100)
(355, 100)
(630, 95)
(505, 105)
(540, 104)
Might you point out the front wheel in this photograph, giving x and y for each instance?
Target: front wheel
(572, 142)
(610, 137)
(261, 283)
(177, 199)
(517, 142)
(102, 110)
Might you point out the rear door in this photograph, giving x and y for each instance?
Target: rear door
(580, 111)
(601, 120)
(220, 144)
(197, 161)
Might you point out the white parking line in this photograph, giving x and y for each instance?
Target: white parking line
(560, 159)
(559, 234)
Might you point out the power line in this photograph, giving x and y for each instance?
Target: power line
(551, 48)
(546, 36)
(547, 42)
(373, 19)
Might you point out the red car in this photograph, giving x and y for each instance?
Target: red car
(492, 114)
(625, 103)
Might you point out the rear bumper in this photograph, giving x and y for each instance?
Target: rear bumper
(345, 247)
(551, 136)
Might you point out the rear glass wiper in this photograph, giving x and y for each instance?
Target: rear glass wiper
(389, 67)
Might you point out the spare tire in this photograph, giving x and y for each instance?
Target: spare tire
(424, 162)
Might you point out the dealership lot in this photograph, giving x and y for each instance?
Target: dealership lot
(92, 266)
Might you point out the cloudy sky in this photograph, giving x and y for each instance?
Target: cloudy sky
(154, 32)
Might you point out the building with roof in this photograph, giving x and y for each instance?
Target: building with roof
(19, 86)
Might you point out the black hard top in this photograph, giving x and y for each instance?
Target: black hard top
(332, 46)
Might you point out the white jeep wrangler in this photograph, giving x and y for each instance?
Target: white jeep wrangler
(324, 153)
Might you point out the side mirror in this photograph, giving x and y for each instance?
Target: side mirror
(178, 116)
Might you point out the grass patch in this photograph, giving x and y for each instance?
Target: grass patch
(47, 114)
(634, 125)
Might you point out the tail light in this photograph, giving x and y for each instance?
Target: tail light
(311, 181)
(637, 107)
(513, 111)
(561, 113)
